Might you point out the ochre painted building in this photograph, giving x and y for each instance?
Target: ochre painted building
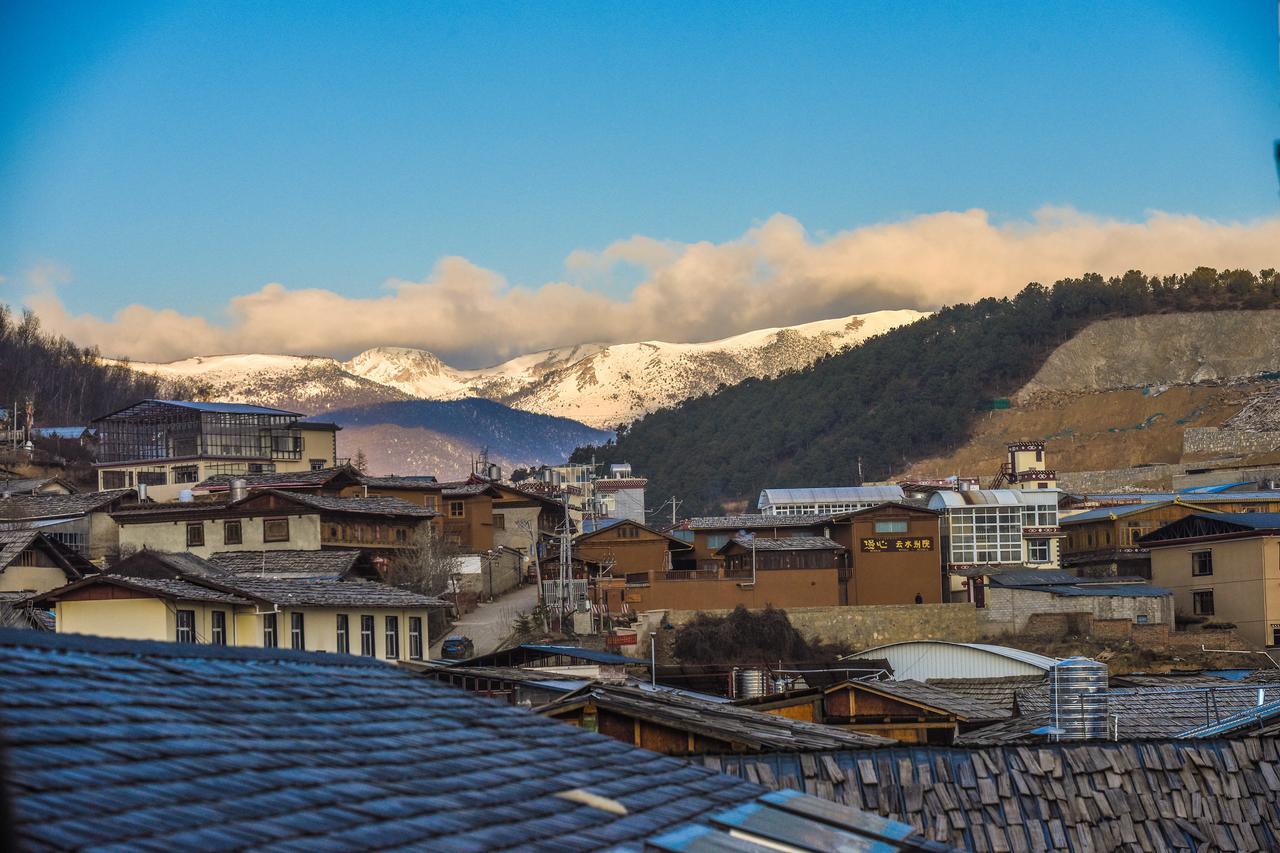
(894, 552)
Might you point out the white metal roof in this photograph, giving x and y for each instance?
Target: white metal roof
(924, 659)
(831, 494)
(994, 497)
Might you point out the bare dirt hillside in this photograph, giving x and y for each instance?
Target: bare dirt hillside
(1121, 393)
(1162, 349)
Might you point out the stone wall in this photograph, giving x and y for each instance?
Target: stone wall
(1205, 441)
(874, 625)
(1011, 609)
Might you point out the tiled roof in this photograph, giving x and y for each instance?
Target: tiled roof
(317, 564)
(614, 485)
(222, 482)
(27, 485)
(459, 490)
(1000, 692)
(427, 484)
(935, 696)
(133, 745)
(755, 522)
(172, 588)
(323, 592)
(1098, 796)
(379, 505)
(13, 543)
(1138, 713)
(789, 543)
(59, 506)
(742, 727)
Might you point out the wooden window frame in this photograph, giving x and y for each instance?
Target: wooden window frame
(266, 526)
(227, 537)
(197, 528)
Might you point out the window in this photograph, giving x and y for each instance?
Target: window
(153, 478)
(717, 540)
(218, 627)
(366, 636)
(186, 473)
(318, 464)
(1142, 618)
(117, 479)
(344, 637)
(683, 535)
(628, 531)
(891, 527)
(1201, 563)
(499, 521)
(456, 509)
(186, 626)
(1202, 602)
(269, 631)
(195, 535)
(393, 637)
(415, 638)
(1039, 515)
(275, 530)
(297, 634)
(231, 534)
(985, 534)
(1037, 550)
(402, 535)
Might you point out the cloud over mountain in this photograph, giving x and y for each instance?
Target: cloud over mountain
(775, 274)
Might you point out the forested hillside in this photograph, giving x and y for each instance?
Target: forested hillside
(66, 383)
(908, 394)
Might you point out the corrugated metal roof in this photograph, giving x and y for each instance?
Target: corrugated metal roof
(830, 494)
(925, 659)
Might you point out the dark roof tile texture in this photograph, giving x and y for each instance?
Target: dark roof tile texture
(137, 745)
(59, 506)
(1216, 795)
(316, 564)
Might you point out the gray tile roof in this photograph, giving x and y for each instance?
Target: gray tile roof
(318, 564)
(28, 485)
(426, 484)
(935, 696)
(1078, 798)
(131, 745)
(323, 592)
(743, 727)
(30, 507)
(755, 522)
(291, 478)
(790, 543)
(380, 505)
(15, 541)
(1000, 692)
(173, 588)
(1140, 713)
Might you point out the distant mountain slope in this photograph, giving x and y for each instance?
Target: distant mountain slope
(910, 394)
(600, 385)
(440, 437)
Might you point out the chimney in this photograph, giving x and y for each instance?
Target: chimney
(239, 490)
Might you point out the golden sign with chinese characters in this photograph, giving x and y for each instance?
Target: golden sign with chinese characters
(884, 544)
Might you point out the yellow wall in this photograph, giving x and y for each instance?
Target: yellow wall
(316, 444)
(128, 618)
(34, 578)
(304, 535)
(155, 619)
(1245, 582)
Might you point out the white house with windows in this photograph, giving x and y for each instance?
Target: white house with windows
(997, 527)
(826, 501)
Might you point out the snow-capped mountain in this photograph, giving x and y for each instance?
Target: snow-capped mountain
(601, 385)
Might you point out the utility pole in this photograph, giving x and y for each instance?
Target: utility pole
(565, 583)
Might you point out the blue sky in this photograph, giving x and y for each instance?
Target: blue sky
(179, 155)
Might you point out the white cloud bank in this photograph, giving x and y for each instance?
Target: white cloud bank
(775, 274)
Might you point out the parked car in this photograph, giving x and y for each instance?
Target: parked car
(457, 648)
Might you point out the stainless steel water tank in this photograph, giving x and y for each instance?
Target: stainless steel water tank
(749, 683)
(1077, 700)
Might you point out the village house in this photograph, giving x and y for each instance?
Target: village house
(272, 519)
(186, 599)
(1224, 568)
(826, 501)
(1103, 540)
(14, 485)
(169, 446)
(894, 554)
(1009, 599)
(708, 534)
(31, 562)
(81, 521)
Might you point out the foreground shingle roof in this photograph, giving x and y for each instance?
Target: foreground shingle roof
(131, 745)
(1095, 796)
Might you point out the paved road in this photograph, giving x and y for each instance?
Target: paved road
(490, 624)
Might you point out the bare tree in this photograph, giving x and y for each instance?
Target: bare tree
(429, 565)
(361, 462)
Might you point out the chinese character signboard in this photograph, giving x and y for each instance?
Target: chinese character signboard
(884, 544)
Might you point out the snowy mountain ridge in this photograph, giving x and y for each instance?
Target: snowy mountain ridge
(602, 385)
